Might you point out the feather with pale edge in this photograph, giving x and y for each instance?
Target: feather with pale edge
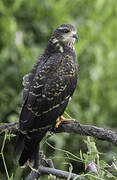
(47, 90)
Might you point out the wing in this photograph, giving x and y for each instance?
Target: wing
(28, 78)
(48, 93)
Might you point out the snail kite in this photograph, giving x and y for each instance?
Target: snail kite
(47, 90)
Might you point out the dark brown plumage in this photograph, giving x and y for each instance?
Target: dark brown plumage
(47, 90)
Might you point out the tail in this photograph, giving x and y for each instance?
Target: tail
(19, 143)
(31, 147)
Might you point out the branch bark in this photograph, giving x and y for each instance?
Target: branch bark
(67, 127)
(73, 127)
(55, 172)
(87, 130)
(13, 127)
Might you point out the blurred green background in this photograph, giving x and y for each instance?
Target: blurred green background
(25, 28)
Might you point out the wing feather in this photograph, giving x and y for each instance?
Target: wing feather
(49, 90)
(28, 78)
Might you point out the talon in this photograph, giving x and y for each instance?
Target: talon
(62, 119)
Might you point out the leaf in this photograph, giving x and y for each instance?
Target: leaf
(81, 155)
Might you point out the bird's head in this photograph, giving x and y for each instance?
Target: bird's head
(65, 34)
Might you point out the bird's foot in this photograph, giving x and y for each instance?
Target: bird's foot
(62, 119)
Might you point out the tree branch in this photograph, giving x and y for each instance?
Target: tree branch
(73, 127)
(13, 127)
(56, 172)
(47, 168)
(87, 130)
(68, 127)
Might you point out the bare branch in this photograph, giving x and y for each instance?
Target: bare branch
(56, 172)
(87, 130)
(33, 175)
(74, 127)
(13, 127)
(67, 127)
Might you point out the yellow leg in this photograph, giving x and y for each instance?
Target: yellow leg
(62, 119)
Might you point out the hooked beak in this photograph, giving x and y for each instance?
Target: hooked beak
(76, 37)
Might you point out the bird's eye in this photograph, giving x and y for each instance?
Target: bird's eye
(66, 31)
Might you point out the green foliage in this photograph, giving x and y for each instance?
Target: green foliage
(2, 155)
(25, 27)
(97, 168)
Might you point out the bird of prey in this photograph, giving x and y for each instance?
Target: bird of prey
(47, 90)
